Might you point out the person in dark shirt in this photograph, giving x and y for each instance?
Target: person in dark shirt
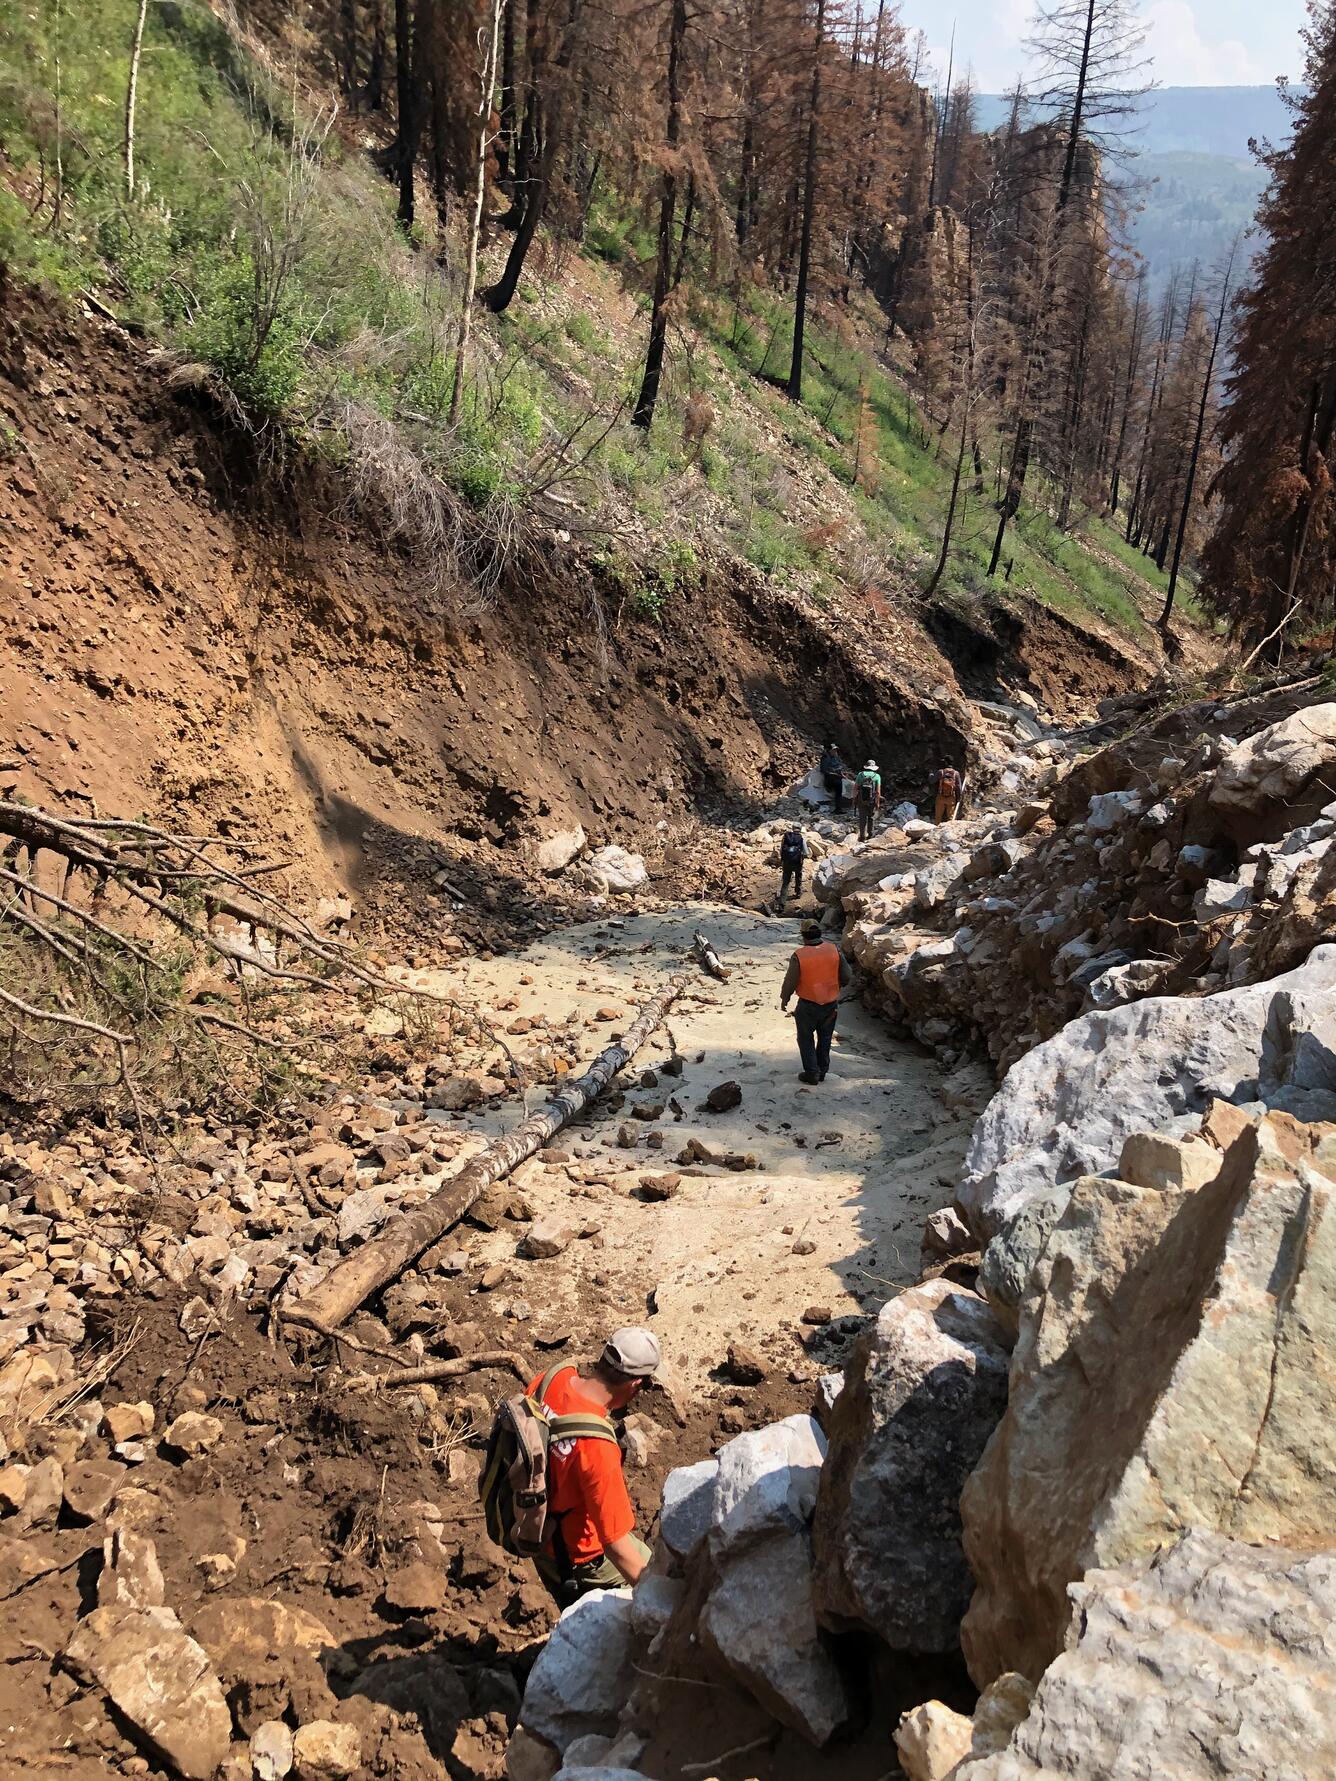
(832, 776)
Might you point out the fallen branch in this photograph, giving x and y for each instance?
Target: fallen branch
(709, 959)
(119, 948)
(443, 1369)
(383, 1259)
(706, 1768)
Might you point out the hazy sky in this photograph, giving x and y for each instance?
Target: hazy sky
(1199, 43)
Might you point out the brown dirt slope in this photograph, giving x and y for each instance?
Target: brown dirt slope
(189, 626)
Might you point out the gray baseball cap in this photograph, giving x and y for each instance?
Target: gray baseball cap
(634, 1352)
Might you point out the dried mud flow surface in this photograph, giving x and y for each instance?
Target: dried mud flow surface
(359, 1505)
(196, 627)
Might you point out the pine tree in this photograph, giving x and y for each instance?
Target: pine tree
(1273, 551)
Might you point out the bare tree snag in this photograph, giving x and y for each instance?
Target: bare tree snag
(488, 46)
(131, 98)
(373, 1266)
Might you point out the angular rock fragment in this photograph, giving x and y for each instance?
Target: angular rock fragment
(923, 1392)
(160, 1680)
(1172, 1371)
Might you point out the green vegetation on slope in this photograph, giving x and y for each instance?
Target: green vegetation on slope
(261, 246)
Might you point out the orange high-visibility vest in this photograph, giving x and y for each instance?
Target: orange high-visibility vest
(819, 972)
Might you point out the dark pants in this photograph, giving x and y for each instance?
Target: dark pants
(792, 875)
(566, 1582)
(866, 813)
(816, 1028)
(835, 786)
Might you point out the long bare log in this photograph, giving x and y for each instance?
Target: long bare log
(373, 1266)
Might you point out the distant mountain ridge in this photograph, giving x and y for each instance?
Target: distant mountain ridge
(1198, 181)
(1188, 120)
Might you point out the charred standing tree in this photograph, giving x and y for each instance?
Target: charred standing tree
(541, 141)
(1089, 51)
(1194, 457)
(409, 25)
(1134, 350)
(663, 269)
(795, 383)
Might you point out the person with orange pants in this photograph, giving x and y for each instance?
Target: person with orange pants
(817, 972)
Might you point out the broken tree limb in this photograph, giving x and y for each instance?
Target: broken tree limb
(384, 1258)
(443, 1369)
(709, 958)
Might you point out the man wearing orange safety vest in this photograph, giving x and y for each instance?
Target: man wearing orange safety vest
(817, 972)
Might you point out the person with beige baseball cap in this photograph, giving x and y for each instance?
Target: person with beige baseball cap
(591, 1541)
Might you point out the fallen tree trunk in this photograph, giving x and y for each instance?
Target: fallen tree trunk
(383, 1259)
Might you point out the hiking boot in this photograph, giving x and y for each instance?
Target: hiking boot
(807, 1077)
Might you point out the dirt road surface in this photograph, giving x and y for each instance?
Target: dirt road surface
(816, 1197)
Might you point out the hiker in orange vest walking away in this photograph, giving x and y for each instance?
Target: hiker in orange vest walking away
(590, 1540)
(817, 972)
(949, 786)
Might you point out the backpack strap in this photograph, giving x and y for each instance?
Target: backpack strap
(545, 1383)
(582, 1426)
(574, 1425)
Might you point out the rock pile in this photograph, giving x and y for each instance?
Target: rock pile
(1128, 1523)
(1180, 860)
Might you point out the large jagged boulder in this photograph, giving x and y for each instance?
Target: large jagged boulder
(159, 1680)
(1173, 1370)
(923, 1392)
(841, 874)
(583, 1674)
(1272, 770)
(1213, 1658)
(755, 1569)
(760, 1622)
(1066, 1108)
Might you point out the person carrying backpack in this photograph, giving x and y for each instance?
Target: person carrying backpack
(832, 776)
(949, 785)
(867, 799)
(552, 1486)
(792, 853)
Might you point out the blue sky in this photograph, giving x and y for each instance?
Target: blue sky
(1199, 43)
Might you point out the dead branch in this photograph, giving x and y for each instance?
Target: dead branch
(709, 959)
(442, 1369)
(134, 901)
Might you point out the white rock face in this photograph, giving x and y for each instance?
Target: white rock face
(1211, 1659)
(1173, 1371)
(688, 1501)
(620, 871)
(1273, 766)
(766, 1483)
(1066, 1108)
(760, 1622)
(583, 1674)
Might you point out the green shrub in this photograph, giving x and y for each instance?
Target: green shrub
(582, 331)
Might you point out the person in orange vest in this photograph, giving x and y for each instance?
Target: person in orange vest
(817, 972)
(592, 1542)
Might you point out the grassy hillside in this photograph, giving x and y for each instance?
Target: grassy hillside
(260, 248)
